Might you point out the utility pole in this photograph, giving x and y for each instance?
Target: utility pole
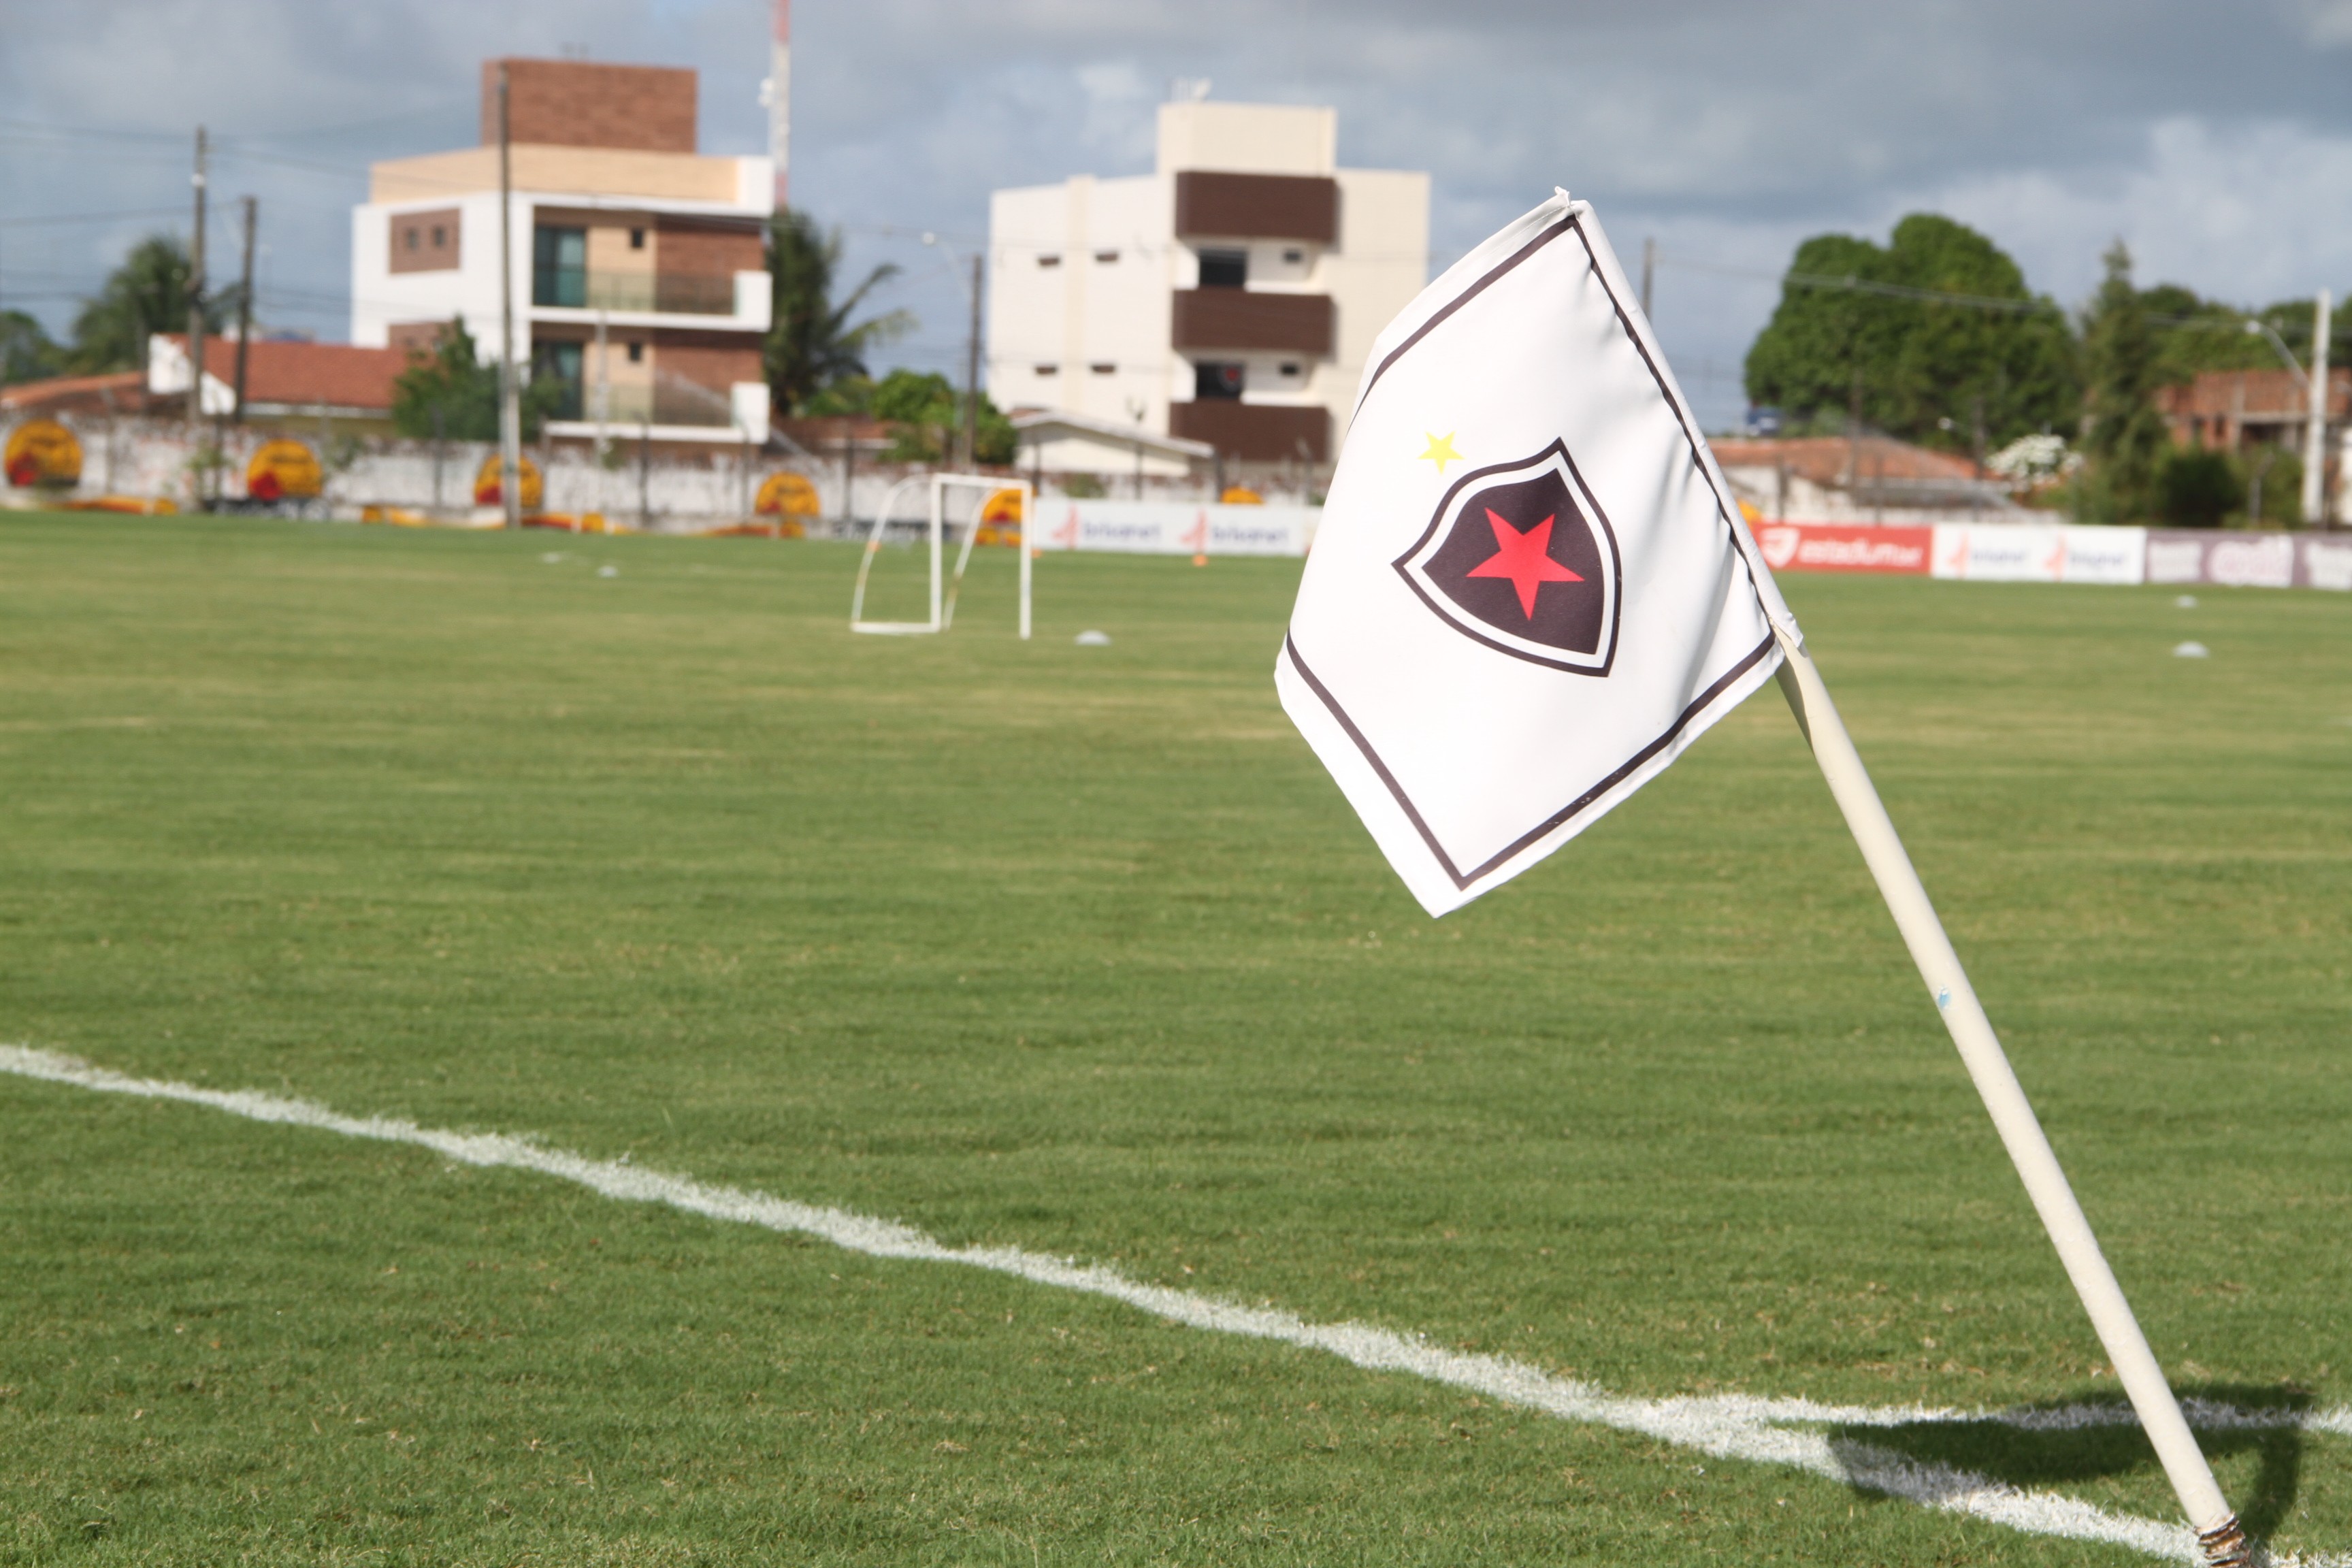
(196, 337)
(510, 389)
(2315, 451)
(972, 380)
(244, 309)
(1649, 264)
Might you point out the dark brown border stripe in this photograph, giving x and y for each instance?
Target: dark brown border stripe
(1529, 248)
(1559, 818)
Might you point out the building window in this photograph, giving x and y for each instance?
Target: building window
(440, 237)
(1215, 382)
(636, 353)
(412, 236)
(1049, 260)
(1293, 257)
(1106, 258)
(1224, 270)
(559, 273)
(637, 240)
(559, 364)
(1104, 367)
(1290, 367)
(1048, 369)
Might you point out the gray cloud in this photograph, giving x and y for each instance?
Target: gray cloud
(2217, 140)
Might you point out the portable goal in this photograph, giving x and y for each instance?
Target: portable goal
(944, 586)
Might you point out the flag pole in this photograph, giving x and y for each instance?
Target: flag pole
(2218, 1531)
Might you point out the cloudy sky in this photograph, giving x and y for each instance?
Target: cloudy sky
(2215, 138)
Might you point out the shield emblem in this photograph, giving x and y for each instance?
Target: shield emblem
(1520, 557)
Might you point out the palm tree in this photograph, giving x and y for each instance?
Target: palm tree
(812, 343)
(147, 293)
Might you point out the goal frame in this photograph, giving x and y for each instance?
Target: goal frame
(944, 589)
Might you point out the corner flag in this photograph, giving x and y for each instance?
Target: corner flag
(1530, 589)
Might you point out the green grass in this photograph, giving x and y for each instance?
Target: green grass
(1077, 949)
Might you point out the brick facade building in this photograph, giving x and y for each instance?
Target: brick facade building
(638, 269)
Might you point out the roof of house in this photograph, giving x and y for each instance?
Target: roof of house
(1831, 459)
(125, 391)
(1034, 426)
(298, 374)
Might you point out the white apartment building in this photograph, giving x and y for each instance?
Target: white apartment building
(638, 265)
(1229, 297)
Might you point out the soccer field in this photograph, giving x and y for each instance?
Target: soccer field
(1077, 951)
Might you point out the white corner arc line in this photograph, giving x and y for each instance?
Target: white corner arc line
(1729, 1426)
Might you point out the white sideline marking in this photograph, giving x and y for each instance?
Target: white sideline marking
(1729, 1426)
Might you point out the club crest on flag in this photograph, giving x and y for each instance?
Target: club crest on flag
(1489, 657)
(1520, 557)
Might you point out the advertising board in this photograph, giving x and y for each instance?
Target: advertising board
(1840, 547)
(1175, 527)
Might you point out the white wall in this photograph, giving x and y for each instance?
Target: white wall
(381, 297)
(1104, 299)
(1248, 138)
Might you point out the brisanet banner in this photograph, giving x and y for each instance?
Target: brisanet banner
(1175, 527)
(2040, 552)
(2064, 552)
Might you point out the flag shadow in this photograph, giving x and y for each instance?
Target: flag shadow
(2026, 1452)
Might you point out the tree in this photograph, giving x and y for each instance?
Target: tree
(26, 351)
(813, 344)
(1859, 324)
(2197, 489)
(453, 379)
(2124, 437)
(147, 294)
(925, 413)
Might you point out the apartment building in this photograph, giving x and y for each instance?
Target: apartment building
(1229, 297)
(638, 265)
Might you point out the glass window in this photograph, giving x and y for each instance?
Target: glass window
(1214, 382)
(1049, 260)
(1106, 258)
(1224, 270)
(637, 240)
(636, 353)
(559, 274)
(561, 363)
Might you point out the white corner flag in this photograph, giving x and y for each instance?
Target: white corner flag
(1531, 588)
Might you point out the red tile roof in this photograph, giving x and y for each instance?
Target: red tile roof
(78, 394)
(299, 374)
(1827, 459)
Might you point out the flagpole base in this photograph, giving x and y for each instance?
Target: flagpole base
(2225, 1545)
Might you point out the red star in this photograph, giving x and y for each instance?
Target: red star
(1525, 559)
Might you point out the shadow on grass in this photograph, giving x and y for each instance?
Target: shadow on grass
(2053, 1444)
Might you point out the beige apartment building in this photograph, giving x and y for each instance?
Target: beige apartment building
(638, 264)
(1229, 298)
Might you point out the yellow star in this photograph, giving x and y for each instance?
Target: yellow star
(1441, 451)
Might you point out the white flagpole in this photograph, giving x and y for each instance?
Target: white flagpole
(2135, 1365)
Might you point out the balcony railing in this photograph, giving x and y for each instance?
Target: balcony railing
(1228, 319)
(1255, 432)
(681, 294)
(666, 402)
